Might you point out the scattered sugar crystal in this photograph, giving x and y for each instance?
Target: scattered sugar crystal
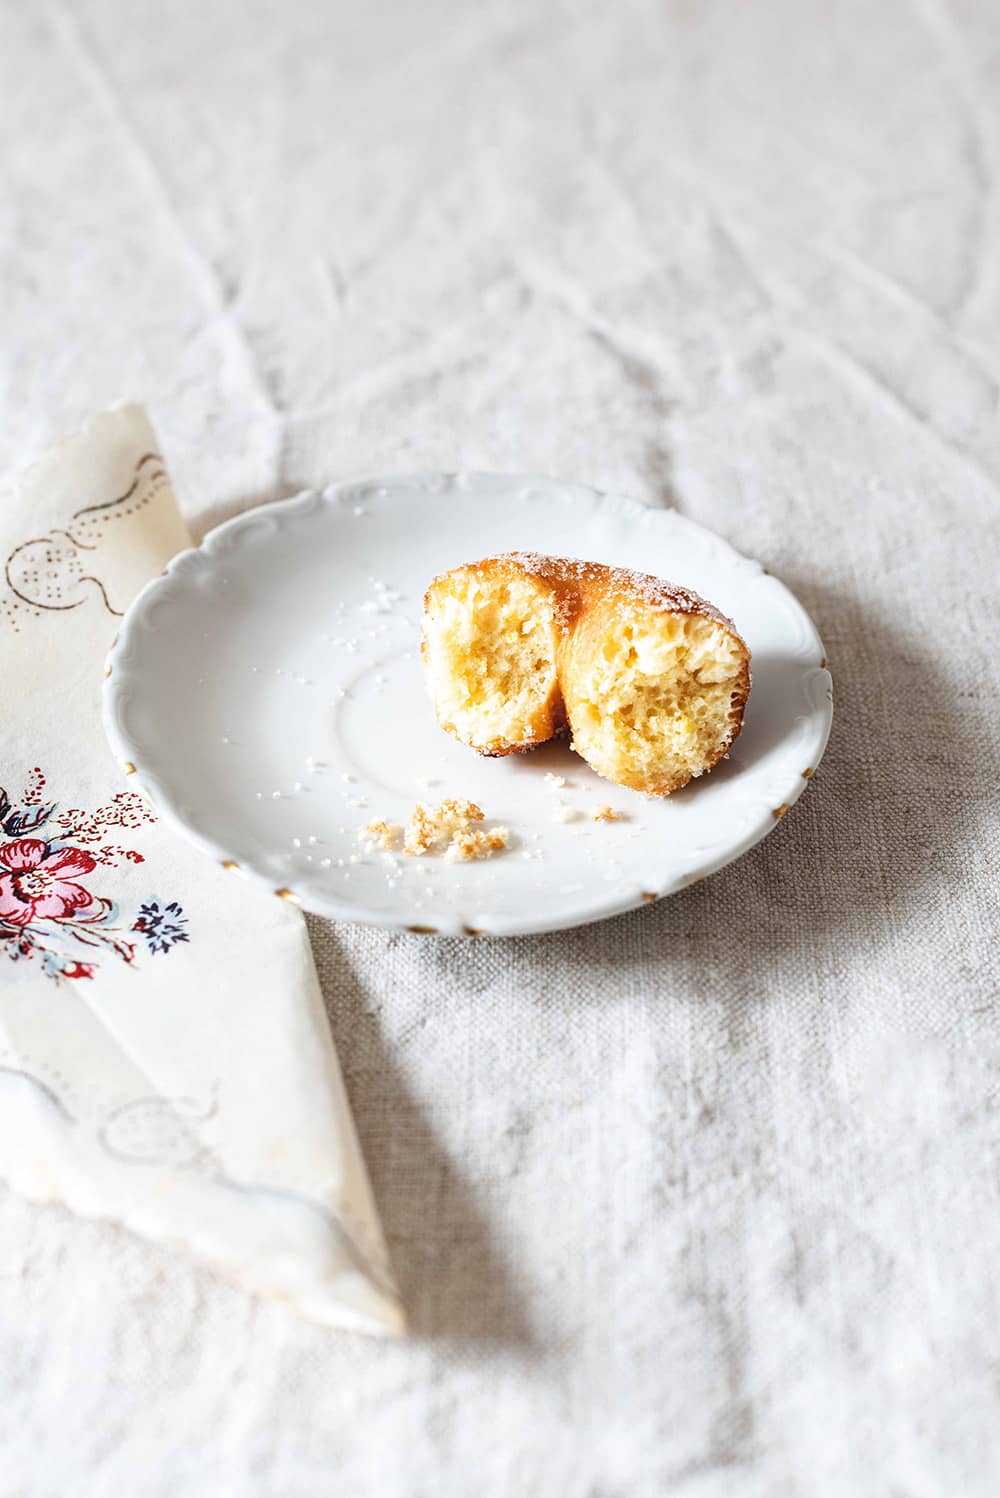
(275, 795)
(312, 841)
(296, 842)
(325, 863)
(565, 814)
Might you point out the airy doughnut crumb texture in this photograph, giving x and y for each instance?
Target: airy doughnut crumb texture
(650, 680)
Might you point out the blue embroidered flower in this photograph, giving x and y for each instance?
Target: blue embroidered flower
(163, 926)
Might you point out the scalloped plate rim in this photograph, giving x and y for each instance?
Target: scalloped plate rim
(117, 683)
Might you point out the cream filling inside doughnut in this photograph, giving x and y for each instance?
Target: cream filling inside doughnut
(659, 701)
(490, 657)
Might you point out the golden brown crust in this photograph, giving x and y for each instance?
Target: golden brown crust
(578, 585)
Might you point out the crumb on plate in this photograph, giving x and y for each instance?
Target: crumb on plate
(445, 829)
(386, 835)
(475, 844)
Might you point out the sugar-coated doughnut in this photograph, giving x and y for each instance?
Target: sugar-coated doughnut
(649, 679)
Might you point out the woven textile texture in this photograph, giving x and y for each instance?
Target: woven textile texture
(701, 1201)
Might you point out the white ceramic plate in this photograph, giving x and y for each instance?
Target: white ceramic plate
(268, 692)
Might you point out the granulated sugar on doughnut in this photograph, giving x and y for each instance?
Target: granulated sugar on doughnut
(649, 679)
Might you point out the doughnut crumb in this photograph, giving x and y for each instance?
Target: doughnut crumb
(475, 844)
(383, 834)
(606, 813)
(447, 829)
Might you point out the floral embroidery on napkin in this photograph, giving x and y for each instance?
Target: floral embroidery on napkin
(46, 911)
(162, 925)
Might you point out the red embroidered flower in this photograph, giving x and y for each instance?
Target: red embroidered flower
(78, 970)
(36, 882)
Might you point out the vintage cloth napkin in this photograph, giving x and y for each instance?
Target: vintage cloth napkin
(165, 1058)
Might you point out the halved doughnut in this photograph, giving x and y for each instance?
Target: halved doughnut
(650, 679)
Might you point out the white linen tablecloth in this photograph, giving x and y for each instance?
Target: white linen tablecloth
(701, 1201)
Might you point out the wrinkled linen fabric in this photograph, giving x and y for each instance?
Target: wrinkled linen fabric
(700, 1201)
